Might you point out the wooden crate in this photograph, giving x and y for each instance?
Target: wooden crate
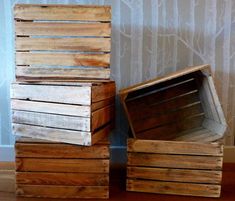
(182, 106)
(177, 124)
(55, 170)
(76, 113)
(58, 42)
(169, 167)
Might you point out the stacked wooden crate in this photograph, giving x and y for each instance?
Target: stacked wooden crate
(177, 123)
(62, 94)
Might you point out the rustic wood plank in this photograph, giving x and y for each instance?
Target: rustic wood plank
(61, 74)
(52, 134)
(170, 147)
(51, 120)
(102, 92)
(62, 165)
(175, 188)
(50, 93)
(62, 12)
(50, 150)
(102, 116)
(68, 44)
(51, 108)
(62, 29)
(102, 133)
(177, 175)
(62, 59)
(45, 191)
(98, 105)
(67, 179)
(175, 161)
(7, 180)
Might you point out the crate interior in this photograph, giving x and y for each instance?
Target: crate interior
(185, 108)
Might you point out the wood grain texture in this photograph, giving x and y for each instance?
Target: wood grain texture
(175, 175)
(62, 12)
(61, 74)
(102, 92)
(45, 191)
(175, 188)
(67, 179)
(62, 165)
(51, 93)
(175, 161)
(62, 29)
(68, 44)
(49, 150)
(169, 147)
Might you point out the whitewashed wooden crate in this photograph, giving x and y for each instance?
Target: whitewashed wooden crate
(76, 113)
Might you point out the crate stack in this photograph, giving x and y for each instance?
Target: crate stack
(177, 125)
(62, 100)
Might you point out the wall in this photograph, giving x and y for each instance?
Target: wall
(149, 38)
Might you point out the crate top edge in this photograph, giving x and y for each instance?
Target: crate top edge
(61, 5)
(187, 70)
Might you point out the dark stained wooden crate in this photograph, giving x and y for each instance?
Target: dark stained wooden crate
(177, 125)
(76, 113)
(62, 42)
(54, 170)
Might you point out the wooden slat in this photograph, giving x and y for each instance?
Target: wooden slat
(159, 119)
(61, 59)
(52, 134)
(43, 150)
(177, 175)
(62, 12)
(175, 188)
(68, 44)
(45, 191)
(102, 116)
(62, 165)
(62, 29)
(50, 93)
(52, 108)
(51, 120)
(61, 74)
(169, 147)
(7, 180)
(175, 161)
(97, 105)
(67, 179)
(102, 92)
(172, 130)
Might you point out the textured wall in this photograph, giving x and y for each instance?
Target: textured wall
(150, 38)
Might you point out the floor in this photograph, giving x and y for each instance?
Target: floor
(118, 193)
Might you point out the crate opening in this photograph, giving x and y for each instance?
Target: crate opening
(185, 108)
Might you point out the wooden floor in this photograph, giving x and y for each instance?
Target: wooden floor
(117, 190)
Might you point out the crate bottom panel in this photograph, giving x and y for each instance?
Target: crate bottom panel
(174, 188)
(46, 191)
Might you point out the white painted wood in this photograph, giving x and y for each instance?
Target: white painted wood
(50, 93)
(214, 127)
(51, 120)
(52, 108)
(52, 134)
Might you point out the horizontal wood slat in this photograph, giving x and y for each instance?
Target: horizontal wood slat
(62, 12)
(61, 74)
(177, 175)
(61, 59)
(175, 161)
(62, 29)
(169, 147)
(48, 150)
(45, 191)
(205, 190)
(68, 179)
(65, 44)
(62, 165)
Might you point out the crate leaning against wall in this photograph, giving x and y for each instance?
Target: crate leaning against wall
(177, 125)
(63, 90)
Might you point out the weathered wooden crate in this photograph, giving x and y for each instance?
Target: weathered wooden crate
(177, 123)
(170, 167)
(58, 42)
(55, 170)
(76, 113)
